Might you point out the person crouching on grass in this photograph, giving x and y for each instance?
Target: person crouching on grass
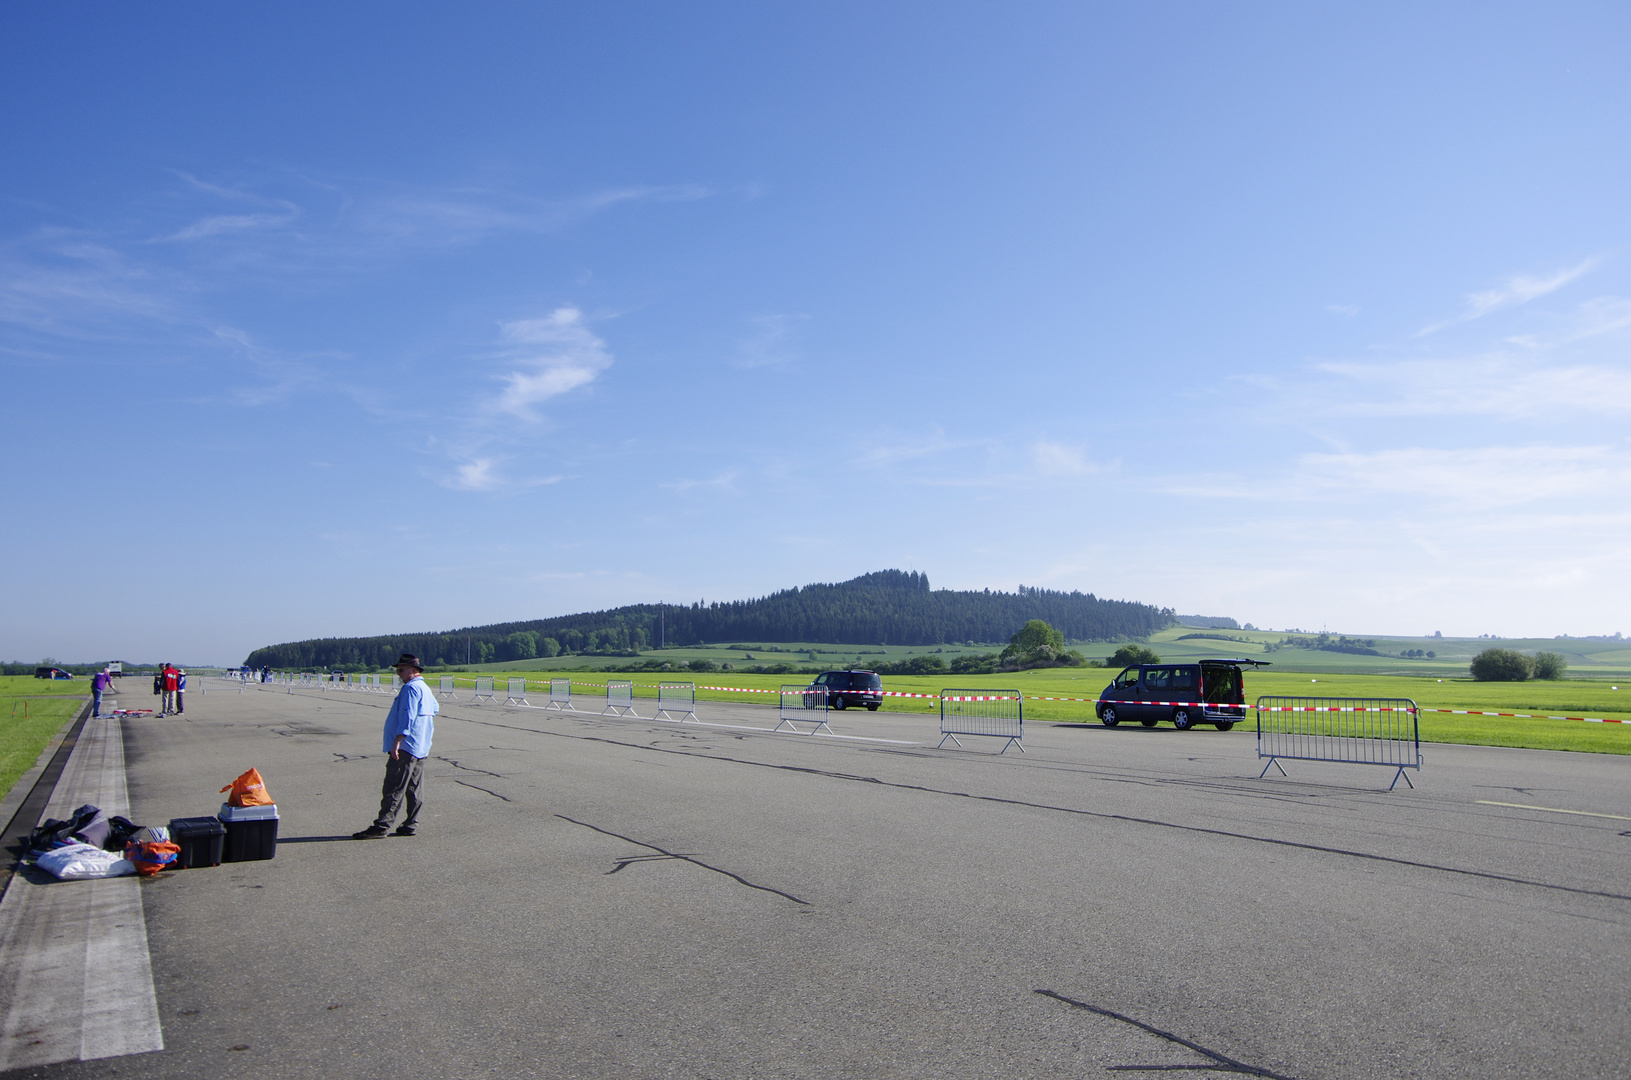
(408, 728)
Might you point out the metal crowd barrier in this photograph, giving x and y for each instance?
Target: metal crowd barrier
(676, 697)
(1355, 731)
(620, 695)
(516, 692)
(560, 695)
(801, 702)
(484, 689)
(999, 714)
(445, 688)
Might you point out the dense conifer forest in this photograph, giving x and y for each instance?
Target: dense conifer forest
(890, 607)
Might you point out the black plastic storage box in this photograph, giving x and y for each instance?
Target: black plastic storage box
(200, 840)
(251, 832)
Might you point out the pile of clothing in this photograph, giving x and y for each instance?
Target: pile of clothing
(93, 845)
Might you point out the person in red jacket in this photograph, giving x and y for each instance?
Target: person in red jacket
(171, 679)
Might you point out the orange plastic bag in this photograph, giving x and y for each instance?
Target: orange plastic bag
(248, 790)
(151, 856)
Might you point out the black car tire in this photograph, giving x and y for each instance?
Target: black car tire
(1224, 725)
(1149, 723)
(872, 706)
(1182, 720)
(838, 703)
(1108, 717)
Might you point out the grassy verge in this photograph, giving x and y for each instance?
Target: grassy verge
(31, 711)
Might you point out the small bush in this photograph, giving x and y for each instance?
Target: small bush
(1502, 665)
(1550, 665)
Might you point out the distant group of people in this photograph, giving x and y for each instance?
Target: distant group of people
(170, 683)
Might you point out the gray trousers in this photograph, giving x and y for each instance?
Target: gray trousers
(403, 777)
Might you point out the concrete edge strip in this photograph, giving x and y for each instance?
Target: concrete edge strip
(75, 965)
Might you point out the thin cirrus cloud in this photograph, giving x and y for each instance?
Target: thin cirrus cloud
(1471, 477)
(1519, 289)
(770, 344)
(1059, 459)
(555, 354)
(1504, 386)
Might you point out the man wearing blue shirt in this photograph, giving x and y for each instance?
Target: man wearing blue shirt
(408, 728)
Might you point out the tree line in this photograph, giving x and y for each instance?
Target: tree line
(889, 607)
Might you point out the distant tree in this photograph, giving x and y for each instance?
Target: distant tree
(1502, 665)
(1132, 656)
(1034, 635)
(521, 645)
(484, 652)
(549, 647)
(1550, 665)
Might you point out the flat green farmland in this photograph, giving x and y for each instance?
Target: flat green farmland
(31, 711)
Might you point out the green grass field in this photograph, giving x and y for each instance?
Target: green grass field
(1572, 697)
(31, 711)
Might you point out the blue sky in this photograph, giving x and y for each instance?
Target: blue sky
(344, 319)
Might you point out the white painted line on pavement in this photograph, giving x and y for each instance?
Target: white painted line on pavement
(1551, 809)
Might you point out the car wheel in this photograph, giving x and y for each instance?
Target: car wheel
(1149, 723)
(837, 703)
(1108, 717)
(872, 706)
(1181, 719)
(1224, 725)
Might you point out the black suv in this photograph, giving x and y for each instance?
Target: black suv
(846, 688)
(1204, 692)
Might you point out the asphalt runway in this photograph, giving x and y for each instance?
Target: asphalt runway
(628, 898)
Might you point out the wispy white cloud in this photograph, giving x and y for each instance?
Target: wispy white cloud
(1347, 311)
(1498, 385)
(1059, 459)
(467, 214)
(1594, 318)
(1519, 289)
(770, 344)
(893, 451)
(476, 475)
(557, 353)
(721, 481)
(1478, 477)
(225, 223)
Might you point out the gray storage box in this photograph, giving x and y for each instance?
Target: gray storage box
(251, 832)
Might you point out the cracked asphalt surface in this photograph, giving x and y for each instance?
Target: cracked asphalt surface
(613, 897)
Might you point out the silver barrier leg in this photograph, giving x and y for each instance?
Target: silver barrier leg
(953, 738)
(1396, 776)
(1013, 740)
(1274, 762)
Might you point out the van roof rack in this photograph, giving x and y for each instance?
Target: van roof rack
(1234, 660)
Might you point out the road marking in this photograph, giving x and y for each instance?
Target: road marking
(1552, 809)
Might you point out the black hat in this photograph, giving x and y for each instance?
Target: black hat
(410, 660)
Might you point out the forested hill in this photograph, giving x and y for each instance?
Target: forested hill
(890, 607)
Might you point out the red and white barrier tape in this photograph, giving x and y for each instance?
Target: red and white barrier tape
(1187, 704)
(1528, 716)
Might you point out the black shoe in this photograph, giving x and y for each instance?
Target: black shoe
(403, 830)
(373, 832)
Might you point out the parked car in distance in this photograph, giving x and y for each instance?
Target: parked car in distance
(1202, 692)
(846, 688)
(51, 673)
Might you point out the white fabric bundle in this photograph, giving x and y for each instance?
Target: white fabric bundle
(78, 862)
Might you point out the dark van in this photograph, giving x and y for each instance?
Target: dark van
(1203, 692)
(846, 688)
